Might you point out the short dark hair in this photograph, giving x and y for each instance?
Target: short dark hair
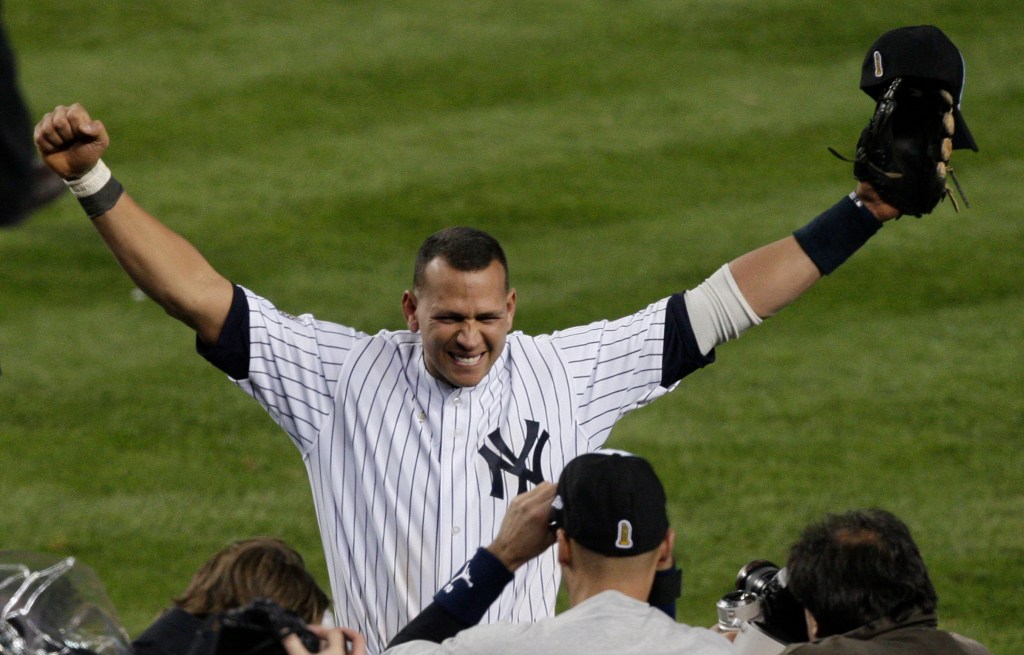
(853, 568)
(261, 567)
(462, 248)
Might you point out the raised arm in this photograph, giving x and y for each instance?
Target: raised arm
(162, 263)
(772, 276)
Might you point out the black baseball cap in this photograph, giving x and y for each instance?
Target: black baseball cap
(921, 52)
(612, 503)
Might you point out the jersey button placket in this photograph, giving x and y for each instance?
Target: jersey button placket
(463, 406)
(454, 417)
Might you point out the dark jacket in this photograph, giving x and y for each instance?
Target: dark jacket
(176, 632)
(918, 635)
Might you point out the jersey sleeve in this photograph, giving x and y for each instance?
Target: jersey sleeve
(683, 354)
(294, 365)
(231, 352)
(620, 365)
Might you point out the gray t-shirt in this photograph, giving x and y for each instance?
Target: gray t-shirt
(609, 622)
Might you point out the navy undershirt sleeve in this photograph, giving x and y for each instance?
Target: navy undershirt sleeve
(681, 355)
(434, 624)
(231, 352)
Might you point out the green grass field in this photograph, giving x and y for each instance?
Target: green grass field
(621, 150)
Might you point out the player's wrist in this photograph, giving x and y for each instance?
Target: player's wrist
(837, 233)
(90, 181)
(506, 555)
(469, 602)
(97, 190)
(866, 198)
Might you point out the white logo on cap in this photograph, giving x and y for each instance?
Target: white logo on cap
(625, 540)
(878, 64)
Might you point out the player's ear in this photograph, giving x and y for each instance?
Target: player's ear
(564, 547)
(812, 625)
(510, 305)
(409, 310)
(665, 550)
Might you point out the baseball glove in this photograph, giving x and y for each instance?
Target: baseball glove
(904, 151)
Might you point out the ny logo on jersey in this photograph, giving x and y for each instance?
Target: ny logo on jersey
(506, 461)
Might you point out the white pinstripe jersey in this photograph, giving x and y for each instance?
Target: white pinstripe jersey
(410, 475)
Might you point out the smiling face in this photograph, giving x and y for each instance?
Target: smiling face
(463, 318)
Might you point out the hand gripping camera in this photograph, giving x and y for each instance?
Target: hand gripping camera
(257, 629)
(761, 611)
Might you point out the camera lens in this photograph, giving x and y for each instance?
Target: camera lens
(756, 576)
(736, 607)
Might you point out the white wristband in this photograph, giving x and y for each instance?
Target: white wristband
(90, 183)
(97, 191)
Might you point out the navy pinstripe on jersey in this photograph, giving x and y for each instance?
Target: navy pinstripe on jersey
(410, 475)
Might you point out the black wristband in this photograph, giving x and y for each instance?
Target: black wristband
(474, 587)
(103, 200)
(837, 233)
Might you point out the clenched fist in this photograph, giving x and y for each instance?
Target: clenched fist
(70, 142)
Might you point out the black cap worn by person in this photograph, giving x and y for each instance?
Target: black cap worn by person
(920, 52)
(611, 502)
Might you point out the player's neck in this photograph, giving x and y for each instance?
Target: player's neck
(583, 587)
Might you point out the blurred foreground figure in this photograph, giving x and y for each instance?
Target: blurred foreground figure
(58, 606)
(25, 183)
(52, 605)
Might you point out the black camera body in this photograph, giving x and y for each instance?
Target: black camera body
(258, 628)
(762, 611)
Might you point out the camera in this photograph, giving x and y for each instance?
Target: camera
(761, 610)
(259, 628)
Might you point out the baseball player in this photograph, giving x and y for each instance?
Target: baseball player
(415, 441)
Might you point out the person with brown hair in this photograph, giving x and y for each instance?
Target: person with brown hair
(244, 571)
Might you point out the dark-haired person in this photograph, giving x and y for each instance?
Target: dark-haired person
(866, 590)
(234, 577)
(416, 441)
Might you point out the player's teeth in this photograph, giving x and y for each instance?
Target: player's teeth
(467, 360)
